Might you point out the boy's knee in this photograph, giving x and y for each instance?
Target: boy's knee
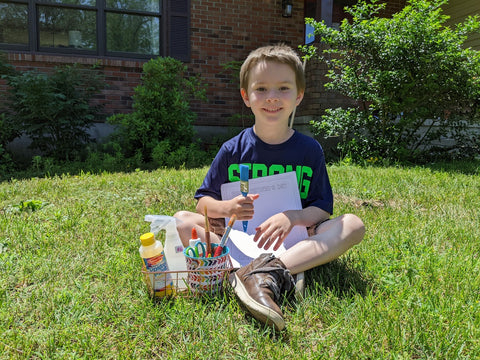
(184, 218)
(182, 214)
(356, 228)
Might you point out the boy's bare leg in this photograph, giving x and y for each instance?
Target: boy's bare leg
(186, 221)
(332, 239)
(260, 284)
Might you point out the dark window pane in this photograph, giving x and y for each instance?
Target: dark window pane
(75, 2)
(179, 34)
(179, 6)
(13, 24)
(179, 37)
(132, 33)
(67, 28)
(143, 5)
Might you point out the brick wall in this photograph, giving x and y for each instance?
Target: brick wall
(227, 30)
(458, 10)
(317, 98)
(221, 32)
(394, 6)
(120, 75)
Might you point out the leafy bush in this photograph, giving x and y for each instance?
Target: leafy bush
(8, 132)
(188, 156)
(413, 81)
(161, 111)
(5, 67)
(54, 110)
(6, 162)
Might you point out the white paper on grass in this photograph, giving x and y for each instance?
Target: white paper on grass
(277, 193)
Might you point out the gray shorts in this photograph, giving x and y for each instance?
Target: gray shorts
(217, 226)
(312, 230)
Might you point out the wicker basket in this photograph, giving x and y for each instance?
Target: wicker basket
(204, 276)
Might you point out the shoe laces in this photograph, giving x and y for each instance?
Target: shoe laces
(278, 280)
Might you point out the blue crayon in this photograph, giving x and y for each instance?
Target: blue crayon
(244, 188)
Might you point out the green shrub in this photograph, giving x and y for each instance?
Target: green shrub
(161, 111)
(410, 75)
(8, 132)
(54, 110)
(9, 129)
(188, 156)
(6, 163)
(5, 67)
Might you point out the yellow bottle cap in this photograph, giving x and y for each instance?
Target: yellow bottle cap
(147, 239)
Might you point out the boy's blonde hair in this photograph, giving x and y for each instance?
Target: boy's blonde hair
(280, 53)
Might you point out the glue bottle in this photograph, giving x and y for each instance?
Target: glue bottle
(151, 251)
(194, 238)
(173, 247)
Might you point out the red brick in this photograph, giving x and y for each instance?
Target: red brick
(221, 31)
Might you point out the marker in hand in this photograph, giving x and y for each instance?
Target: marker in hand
(244, 188)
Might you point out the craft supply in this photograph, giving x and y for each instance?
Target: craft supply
(173, 246)
(219, 248)
(153, 257)
(207, 234)
(244, 188)
(194, 251)
(206, 275)
(194, 238)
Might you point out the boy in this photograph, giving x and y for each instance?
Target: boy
(272, 83)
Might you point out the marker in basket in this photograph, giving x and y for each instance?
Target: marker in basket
(244, 188)
(194, 238)
(219, 249)
(207, 234)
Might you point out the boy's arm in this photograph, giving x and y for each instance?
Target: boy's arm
(307, 217)
(240, 206)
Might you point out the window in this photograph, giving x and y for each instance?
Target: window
(13, 24)
(330, 11)
(66, 28)
(123, 28)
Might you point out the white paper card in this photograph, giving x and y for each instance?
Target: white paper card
(277, 193)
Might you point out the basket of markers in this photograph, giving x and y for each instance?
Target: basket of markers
(202, 266)
(206, 272)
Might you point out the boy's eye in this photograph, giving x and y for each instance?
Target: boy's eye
(284, 88)
(261, 89)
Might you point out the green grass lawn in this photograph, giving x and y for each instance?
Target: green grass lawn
(70, 284)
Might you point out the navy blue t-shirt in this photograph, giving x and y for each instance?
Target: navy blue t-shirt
(300, 153)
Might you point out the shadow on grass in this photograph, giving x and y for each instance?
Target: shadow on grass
(466, 167)
(78, 168)
(50, 169)
(338, 278)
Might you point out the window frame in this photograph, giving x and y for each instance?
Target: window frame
(165, 17)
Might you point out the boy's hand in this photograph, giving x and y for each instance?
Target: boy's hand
(242, 206)
(274, 229)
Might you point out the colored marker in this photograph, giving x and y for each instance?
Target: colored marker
(244, 188)
(219, 249)
(207, 234)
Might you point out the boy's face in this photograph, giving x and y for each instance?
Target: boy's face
(272, 92)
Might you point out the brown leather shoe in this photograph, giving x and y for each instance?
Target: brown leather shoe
(260, 286)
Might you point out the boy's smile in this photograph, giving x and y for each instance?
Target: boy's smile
(272, 93)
